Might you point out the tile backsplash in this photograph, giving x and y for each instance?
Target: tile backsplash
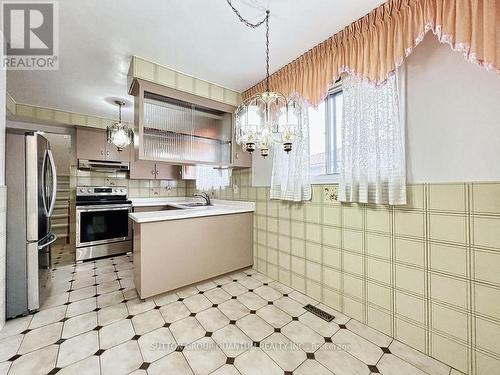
(427, 273)
(136, 188)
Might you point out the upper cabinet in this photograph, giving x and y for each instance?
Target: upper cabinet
(91, 144)
(182, 128)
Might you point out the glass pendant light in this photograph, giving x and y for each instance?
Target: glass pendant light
(119, 134)
(267, 118)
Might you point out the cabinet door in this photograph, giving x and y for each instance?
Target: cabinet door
(90, 144)
(166, 171)
(189, 172)
(241, 158)
(142, 169)
(112, 153)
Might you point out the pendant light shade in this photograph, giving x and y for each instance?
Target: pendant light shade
(119, 134)
(267, 118)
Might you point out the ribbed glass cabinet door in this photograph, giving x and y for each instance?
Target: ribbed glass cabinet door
(179, 131)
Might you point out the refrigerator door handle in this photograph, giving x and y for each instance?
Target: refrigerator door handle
(51, 238)
(54, 183)
(44, 187)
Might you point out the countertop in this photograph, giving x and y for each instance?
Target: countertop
(219, 207)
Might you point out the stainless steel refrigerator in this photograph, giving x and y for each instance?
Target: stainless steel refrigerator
(31, 196)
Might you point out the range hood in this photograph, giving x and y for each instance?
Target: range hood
(103, 166)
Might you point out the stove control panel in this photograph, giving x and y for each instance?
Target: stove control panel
(100, 190)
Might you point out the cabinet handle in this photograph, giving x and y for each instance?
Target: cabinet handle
(236, 156)
(153, 172)
(102, 152)
(107, 153)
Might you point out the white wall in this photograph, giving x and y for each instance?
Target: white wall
(452, 119)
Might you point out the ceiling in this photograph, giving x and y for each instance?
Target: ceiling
(203, 38)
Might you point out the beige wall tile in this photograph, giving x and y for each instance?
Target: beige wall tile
(313, 232)
(166, 76)
(217, 93)
(143, 69)
(284, 260)
(201, 88)
(272, 224)
(297, 212)
(284, 244)
(487, 266)
(408, 251)
(331, 236)
(353, 308)
(450, 321)
(331, 278)
(486, 364)
(452, 259)
(313, 271)
(353, 263)
(448, 228)
(486, 198)
(313, 213)
(353, 216)
(415, 196)
(379, 270)
(410, 334)
(331, 256)
(284, 227)
(378, 245)
(379, 295)
(298, 230)
(299, 265)
(410, 307)
(272, 209)
(378, 220)
(450, 352)
(447, 197)
(450, 290)
(487, 300)
(410, 279)
(299, 283)
(331, 215)
(332, 298)
(353, 240)
(487, 334)
(314, 252)
(380, 320)
(353, 285)
(487, 231)
(313, 289)
(408, 223)
(284, 276)
(298, 247)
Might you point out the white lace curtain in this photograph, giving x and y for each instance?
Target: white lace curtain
(373, 161)
(290, 179)
(208, 178)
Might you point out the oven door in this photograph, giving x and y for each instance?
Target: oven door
(102, 224)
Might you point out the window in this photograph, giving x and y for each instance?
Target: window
(325, 137)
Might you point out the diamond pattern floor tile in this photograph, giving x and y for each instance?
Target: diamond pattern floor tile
(243, 323)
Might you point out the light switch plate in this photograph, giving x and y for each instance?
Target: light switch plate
(235, 189)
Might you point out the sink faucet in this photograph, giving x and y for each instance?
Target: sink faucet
(204, 196)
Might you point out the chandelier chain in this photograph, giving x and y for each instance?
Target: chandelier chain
(254, 26)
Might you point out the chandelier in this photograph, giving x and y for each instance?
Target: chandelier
(119, 134)
(268, 118)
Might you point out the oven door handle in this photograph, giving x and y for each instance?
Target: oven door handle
(102, 208)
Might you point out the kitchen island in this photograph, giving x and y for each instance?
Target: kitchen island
(183, 244)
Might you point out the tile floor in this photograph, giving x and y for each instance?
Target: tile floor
(244, 323)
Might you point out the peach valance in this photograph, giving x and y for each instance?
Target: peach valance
(373, 46)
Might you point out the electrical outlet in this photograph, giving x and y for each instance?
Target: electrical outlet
(331, 194)
(235, 189)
